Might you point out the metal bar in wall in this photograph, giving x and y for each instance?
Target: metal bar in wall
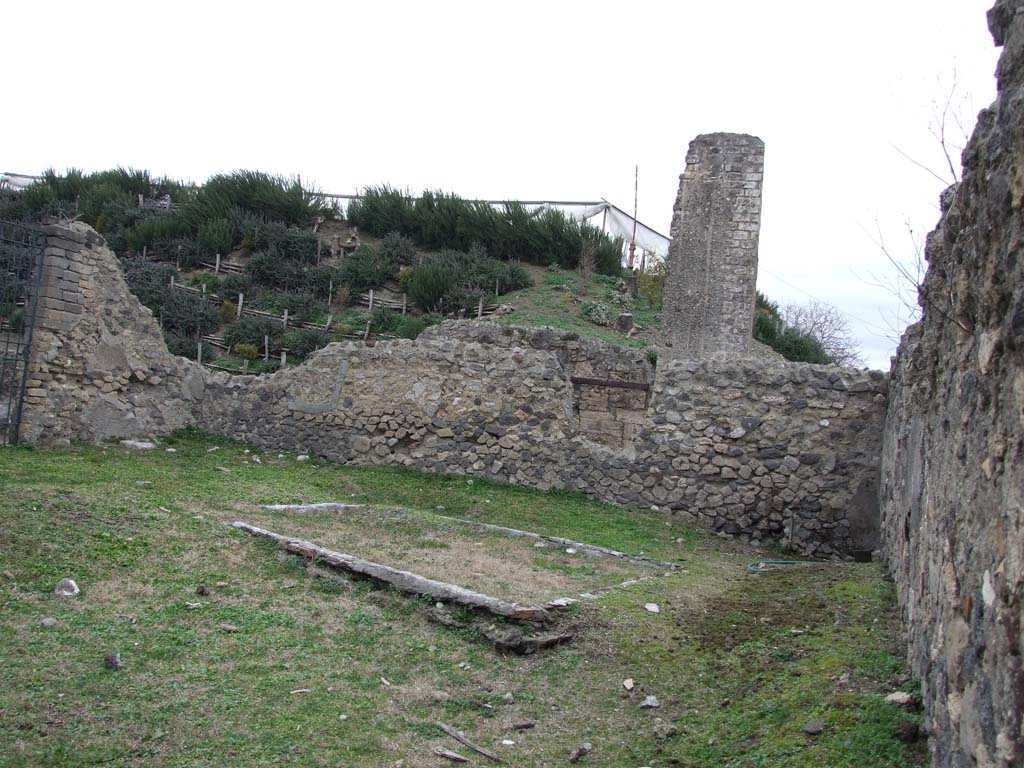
(21, 253)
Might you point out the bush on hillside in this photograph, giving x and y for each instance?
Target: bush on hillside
(251, 330)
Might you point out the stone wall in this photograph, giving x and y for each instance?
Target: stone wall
(99, 367)
(755, 448)
(952, 491)
(712, 260)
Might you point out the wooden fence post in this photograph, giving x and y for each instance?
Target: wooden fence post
(285, 318)
(199, 352)
(327, 325)
(177, 262)
(238, 310)
(245, 366)
(216, 265)
(318, 250)
(266, 347)
(144, 251)
(371, 299)
(172, 282)
(366, 333)
(284, 358)
(204, 290)
(330, 293)
(480, 308)
(405, 298)
(497, 280)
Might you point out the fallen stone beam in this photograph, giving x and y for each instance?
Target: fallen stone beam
(401, 580)
(325, 506)
(589, 549)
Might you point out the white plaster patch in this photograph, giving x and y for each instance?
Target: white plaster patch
(988, 593)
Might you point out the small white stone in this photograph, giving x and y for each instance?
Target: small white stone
(508, 742)
(570, 551)
(651, 702)
(170, 450)
(138, 445)
(652, 608)
(302, 457)
(899, 698)
(628, 683)
(66, 588)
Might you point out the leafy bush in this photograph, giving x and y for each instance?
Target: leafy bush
(398, 249)
(188, 315)
(513, 232)
(251, 330)
(232, 285)
(367, 268)
(216, 236)
(404, 275)
(284, 242)
(212, 282)
(651, 283)
(301, 306)
(246, 351)
(770, 329)
(411, 327)
(149, 281)
(432, 285)
(227, 311)
(274, 197)
(303, 342)
(595, 312)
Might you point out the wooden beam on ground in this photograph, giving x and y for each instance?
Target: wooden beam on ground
(401, 580)
(589, 549)
(325, 506)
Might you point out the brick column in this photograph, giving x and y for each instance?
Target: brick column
(712, 260)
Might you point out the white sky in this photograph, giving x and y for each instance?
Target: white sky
(531, 100)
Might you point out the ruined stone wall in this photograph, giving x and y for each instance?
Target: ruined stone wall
(712, 260)
(952, 492)
(99, 367)
(758, 449)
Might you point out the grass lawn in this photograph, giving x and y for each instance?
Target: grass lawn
(739, 662)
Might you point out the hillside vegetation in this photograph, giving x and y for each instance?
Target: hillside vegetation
(284, 248)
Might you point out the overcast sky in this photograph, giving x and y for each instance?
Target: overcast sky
(551, 100)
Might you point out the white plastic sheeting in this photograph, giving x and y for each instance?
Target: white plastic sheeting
(617, 223)
(16, 181)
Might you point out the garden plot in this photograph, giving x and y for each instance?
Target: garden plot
(521, 569)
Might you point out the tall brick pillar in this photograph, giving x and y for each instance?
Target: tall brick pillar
(712, 260)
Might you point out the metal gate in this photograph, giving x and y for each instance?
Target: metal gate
(21, 259)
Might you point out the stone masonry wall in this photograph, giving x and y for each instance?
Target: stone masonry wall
(712, 260)
(99, 367)
(952, 492)
(758, 449)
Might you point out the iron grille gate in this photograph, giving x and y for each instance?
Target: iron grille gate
(21, 257)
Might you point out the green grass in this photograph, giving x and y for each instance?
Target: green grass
(550, 303)
(139, 532)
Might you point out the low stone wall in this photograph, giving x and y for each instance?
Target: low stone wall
(759, 449)
(953, 463)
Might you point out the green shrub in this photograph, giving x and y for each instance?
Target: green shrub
(651, 284)
(595, 312)
(770, 329)
(397, 249)
(251, 330)
(303, 341)
(301, 306)
(274, 197)
(404, 275)
(149, 281)
(212, 282)
(216, 236)
(284, 242)
(410, 327)
(232, 285)
(188, 315)
(443, 220)
(432, 285)
(227, 311)
(367, 268)
(267, 269)
(246, 351)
